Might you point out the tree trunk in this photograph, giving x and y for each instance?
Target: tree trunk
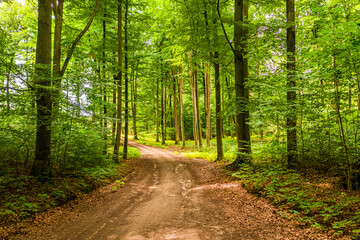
(181, 108)
(104, 79)
(163, 110)
(176, 125)
(114, 112)
(241, 76)
(58, 7)
(119, 82)
(101, 104)
(197, 109)
(291, 84)
(41, 165)
(170, 109)
(134, 103)
(165, 105)
(126, 83)
(222, 92)
(157, 109)
(208, 103)
(193, 98)
(219, 145)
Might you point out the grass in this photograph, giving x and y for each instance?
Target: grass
(263, 150)
(210, 153)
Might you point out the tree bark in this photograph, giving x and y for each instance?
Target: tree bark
(165, 105)
(197, 109)
(114, 112)
(222, 92)
(134, 103)
(207, 79)
(104, 79)
(126, 83)
(208, 103)
(58, 7)
(219, 145)
(291, 85)
(193, 98)
(176, 125)
(119, 82)
(170, 111)
(241, 76)
(163, 111)
(182, 129)
(41, 165)
(157, 109)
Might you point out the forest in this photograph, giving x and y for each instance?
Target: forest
(267, 89)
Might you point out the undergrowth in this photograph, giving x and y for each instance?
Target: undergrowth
(22, 197)
(319, 206)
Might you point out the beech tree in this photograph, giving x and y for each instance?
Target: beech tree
(291, 93)
(41, 165)
(241, 78)
(119, 84)
(126, 137)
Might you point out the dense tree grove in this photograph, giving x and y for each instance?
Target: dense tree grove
(80, 78)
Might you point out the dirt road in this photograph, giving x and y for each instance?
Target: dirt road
(170, 198)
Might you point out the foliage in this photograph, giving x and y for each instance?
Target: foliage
(314, 203)
(164, 35)
(23, 196)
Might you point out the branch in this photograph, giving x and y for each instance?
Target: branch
(77, 39)
(19, 75)
(15, 89)
(223, 28)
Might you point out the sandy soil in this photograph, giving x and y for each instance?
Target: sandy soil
(170, 198)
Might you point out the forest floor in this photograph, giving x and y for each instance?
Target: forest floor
(169, 197)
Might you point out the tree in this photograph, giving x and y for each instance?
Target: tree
(241, 78)
(133, 101)
(58, 8)
(157, 109)
(163, 106)
(59, 73)
(182, 129)
(207, 96)
(126, 82)
(104, 78)
(291, 84)
(195, 103)
(219, 145)
(119, 83)
(41, 165)
(176, 126)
